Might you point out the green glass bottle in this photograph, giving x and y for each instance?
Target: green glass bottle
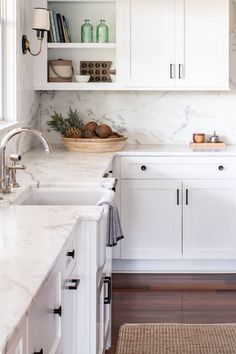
(102, 32)
(87, 32)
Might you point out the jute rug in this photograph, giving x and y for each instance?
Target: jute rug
(177, 339)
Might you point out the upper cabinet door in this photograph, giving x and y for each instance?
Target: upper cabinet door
(202, 44)
(146, 43)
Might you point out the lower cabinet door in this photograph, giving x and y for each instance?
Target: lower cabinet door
(69, 312)
(44, 324)
(209, 219)
(151, 219)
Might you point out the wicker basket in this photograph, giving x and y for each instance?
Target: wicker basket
(95, 145)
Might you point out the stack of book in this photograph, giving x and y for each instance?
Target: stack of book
(59, 29)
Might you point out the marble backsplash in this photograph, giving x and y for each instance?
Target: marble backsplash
(148, 117)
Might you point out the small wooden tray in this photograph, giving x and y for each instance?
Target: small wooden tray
(208, 146)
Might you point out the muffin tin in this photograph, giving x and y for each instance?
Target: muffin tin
(99, 71)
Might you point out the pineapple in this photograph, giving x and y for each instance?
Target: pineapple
(70, 127)
(73, 133)
(75, 124)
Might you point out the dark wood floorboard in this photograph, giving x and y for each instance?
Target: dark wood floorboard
(172, 298)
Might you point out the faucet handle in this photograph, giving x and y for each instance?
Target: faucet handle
(15, 157)
(17, 167)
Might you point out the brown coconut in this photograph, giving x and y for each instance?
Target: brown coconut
(104, 131)
(90, 126)
(88, 134)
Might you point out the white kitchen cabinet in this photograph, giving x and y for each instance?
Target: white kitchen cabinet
(151, 219)
(202, 44)
(44, 324)
(19, 343)
(209, 227)
(179, 209)
(174, 44)
(146, 41)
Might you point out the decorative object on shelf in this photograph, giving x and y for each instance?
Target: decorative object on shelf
(60, 70)
(199, 138)
(89, 137)
(87, 32)
(99, 71)
(102, 34)
(82, 78)
(59, 28)
(214, 138)
(41, 24)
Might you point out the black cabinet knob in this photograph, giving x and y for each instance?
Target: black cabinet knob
(221, 168)
(71, 254)
(58, 311)
(40, 352)
(143, 168)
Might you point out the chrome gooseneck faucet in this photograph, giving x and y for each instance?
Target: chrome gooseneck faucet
(5, 177)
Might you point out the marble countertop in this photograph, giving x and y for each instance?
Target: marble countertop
(28, 253)
(73, 167)
(25, 260)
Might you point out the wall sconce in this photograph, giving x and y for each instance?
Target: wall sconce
(41, 24)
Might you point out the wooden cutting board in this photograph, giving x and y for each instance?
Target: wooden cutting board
(208, 146)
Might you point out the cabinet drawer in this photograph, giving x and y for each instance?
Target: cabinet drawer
(177, 167)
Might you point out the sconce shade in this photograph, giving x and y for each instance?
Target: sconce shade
(41, 19)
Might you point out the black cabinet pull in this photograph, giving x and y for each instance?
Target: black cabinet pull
(221, 168)
(107, 299)
(187, 201)
(143, 168)
(71, 254)
(177, 196)
(40, 352)
(75, 282)
(58, 311)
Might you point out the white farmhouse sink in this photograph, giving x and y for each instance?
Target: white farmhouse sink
(71, 197)
(62, 196)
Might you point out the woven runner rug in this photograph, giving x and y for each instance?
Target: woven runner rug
(177, 339)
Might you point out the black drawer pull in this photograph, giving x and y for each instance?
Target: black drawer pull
(187, 201)
(40, 352)
(221, 168)
(143, 168)
(107, 299)
(75, 282)
(58, 311)
(177, 196)
(71, 254)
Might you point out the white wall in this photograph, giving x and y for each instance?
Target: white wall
(27, 99)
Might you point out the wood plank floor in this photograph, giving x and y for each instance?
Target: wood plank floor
(175, 298)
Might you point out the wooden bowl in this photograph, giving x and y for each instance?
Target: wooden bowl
(198, 138)
(95, 145)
